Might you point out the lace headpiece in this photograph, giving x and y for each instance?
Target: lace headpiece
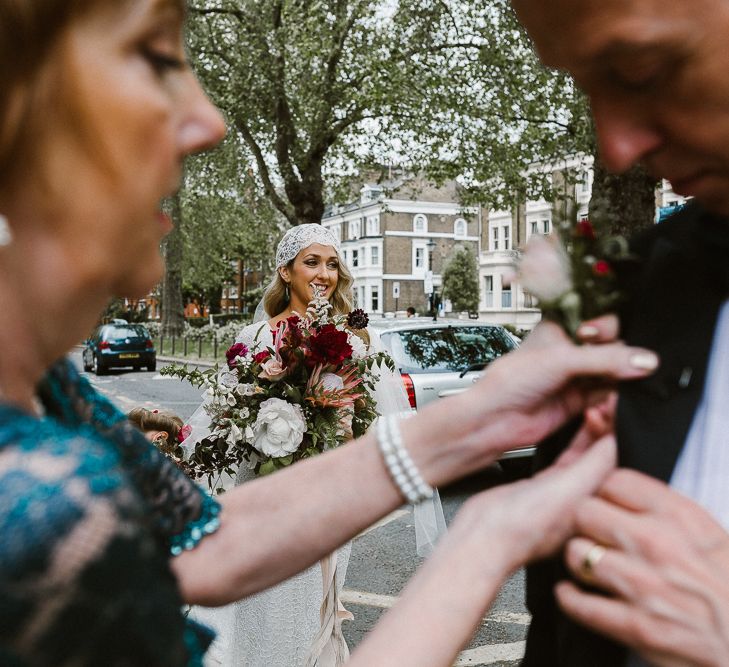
(300, 237)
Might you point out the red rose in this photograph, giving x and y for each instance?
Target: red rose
(329, 346)
(236, 350)
(601, 268)
(585, 229)
(261, 356)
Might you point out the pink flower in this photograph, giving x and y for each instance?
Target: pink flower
(544, 269)
(236, 350)
(272, 369)
(184, 432)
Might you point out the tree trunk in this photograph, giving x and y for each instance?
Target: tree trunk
(173, 311)
(628, 200)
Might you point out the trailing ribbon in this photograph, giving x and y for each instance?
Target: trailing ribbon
(329, 648)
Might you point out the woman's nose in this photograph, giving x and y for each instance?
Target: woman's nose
(202, 126)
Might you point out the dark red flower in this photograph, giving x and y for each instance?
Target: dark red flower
(183, 433)
(329, 346)
(358, 319)
(235, 350)
(601, 268)
(261, 356)
(585, 230)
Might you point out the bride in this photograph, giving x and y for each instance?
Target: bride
(298, 622)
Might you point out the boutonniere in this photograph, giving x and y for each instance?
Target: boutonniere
(572, 271)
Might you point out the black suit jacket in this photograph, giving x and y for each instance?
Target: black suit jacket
(675, 292)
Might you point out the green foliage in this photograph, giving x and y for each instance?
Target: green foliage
(460, 280)
(315, 88)
(225, 218)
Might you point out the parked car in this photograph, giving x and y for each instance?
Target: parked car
(118, 345)
(440, 359)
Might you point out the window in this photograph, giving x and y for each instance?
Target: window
(420, 258)
(361, 302)
(337, 231)
(489, 301)
(355, 258)
(585, 183)
(375, 255)
(373, 226)
(354, 229)
(346, 257)
(507, 239)
(546, 226)
(460, 228)
(534, 227)
(494, 238)
(420, 224)
(375, 299)
(506, 296)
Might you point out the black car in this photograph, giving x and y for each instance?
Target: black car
(118, 345)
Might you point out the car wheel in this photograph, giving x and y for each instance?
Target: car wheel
(136, 367)
(99, 368)
(152, 367)
(87, 365)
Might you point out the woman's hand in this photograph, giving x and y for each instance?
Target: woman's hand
(664, 564)
(527, 394)
(494, 533)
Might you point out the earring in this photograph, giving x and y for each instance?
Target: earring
(288, 294)
(6, 235)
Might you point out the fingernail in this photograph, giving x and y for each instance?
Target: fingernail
(644, 361)
(587, 331)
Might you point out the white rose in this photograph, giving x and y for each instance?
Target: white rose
(331, 382)
(544, 269)
(359, 348)
(279, 428)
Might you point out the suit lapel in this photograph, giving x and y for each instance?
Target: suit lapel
(673, 310)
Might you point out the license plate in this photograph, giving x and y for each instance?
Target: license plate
(128, 356)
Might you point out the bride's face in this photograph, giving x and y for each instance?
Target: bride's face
(317, 265)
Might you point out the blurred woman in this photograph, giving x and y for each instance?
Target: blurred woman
(104, 539)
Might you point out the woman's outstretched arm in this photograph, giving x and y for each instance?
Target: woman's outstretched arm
(276, 526)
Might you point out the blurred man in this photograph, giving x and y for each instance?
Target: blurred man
(656, 75)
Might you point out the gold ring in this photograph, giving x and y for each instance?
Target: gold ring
(590, 560)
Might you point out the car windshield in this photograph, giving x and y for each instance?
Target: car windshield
(446, 349)
(126, 331)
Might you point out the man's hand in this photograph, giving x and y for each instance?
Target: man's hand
(664, 564)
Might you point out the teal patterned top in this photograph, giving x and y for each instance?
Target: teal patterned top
(90, 516)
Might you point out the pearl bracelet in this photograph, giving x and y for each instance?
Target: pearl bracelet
(399, 463)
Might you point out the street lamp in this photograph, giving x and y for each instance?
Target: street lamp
(433, 308)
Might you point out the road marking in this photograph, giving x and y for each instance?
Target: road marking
(488, 655)
(350, 596)
(393, 516)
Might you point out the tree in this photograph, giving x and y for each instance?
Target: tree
(173, 319)
(226, 219)
(316, 88)
(460, 280)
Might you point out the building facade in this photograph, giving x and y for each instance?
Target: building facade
(396, 239)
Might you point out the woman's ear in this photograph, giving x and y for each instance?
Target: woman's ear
(284, 273)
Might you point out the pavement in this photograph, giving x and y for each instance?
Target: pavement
(190, 361)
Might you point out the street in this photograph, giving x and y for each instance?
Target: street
(383, 557)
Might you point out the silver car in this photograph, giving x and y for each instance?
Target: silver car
(440, 359)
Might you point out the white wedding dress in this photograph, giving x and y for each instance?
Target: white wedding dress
(283, 625)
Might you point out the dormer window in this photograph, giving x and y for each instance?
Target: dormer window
(420, 224)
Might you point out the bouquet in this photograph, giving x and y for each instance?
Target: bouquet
(571, 273)
(311, 391)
